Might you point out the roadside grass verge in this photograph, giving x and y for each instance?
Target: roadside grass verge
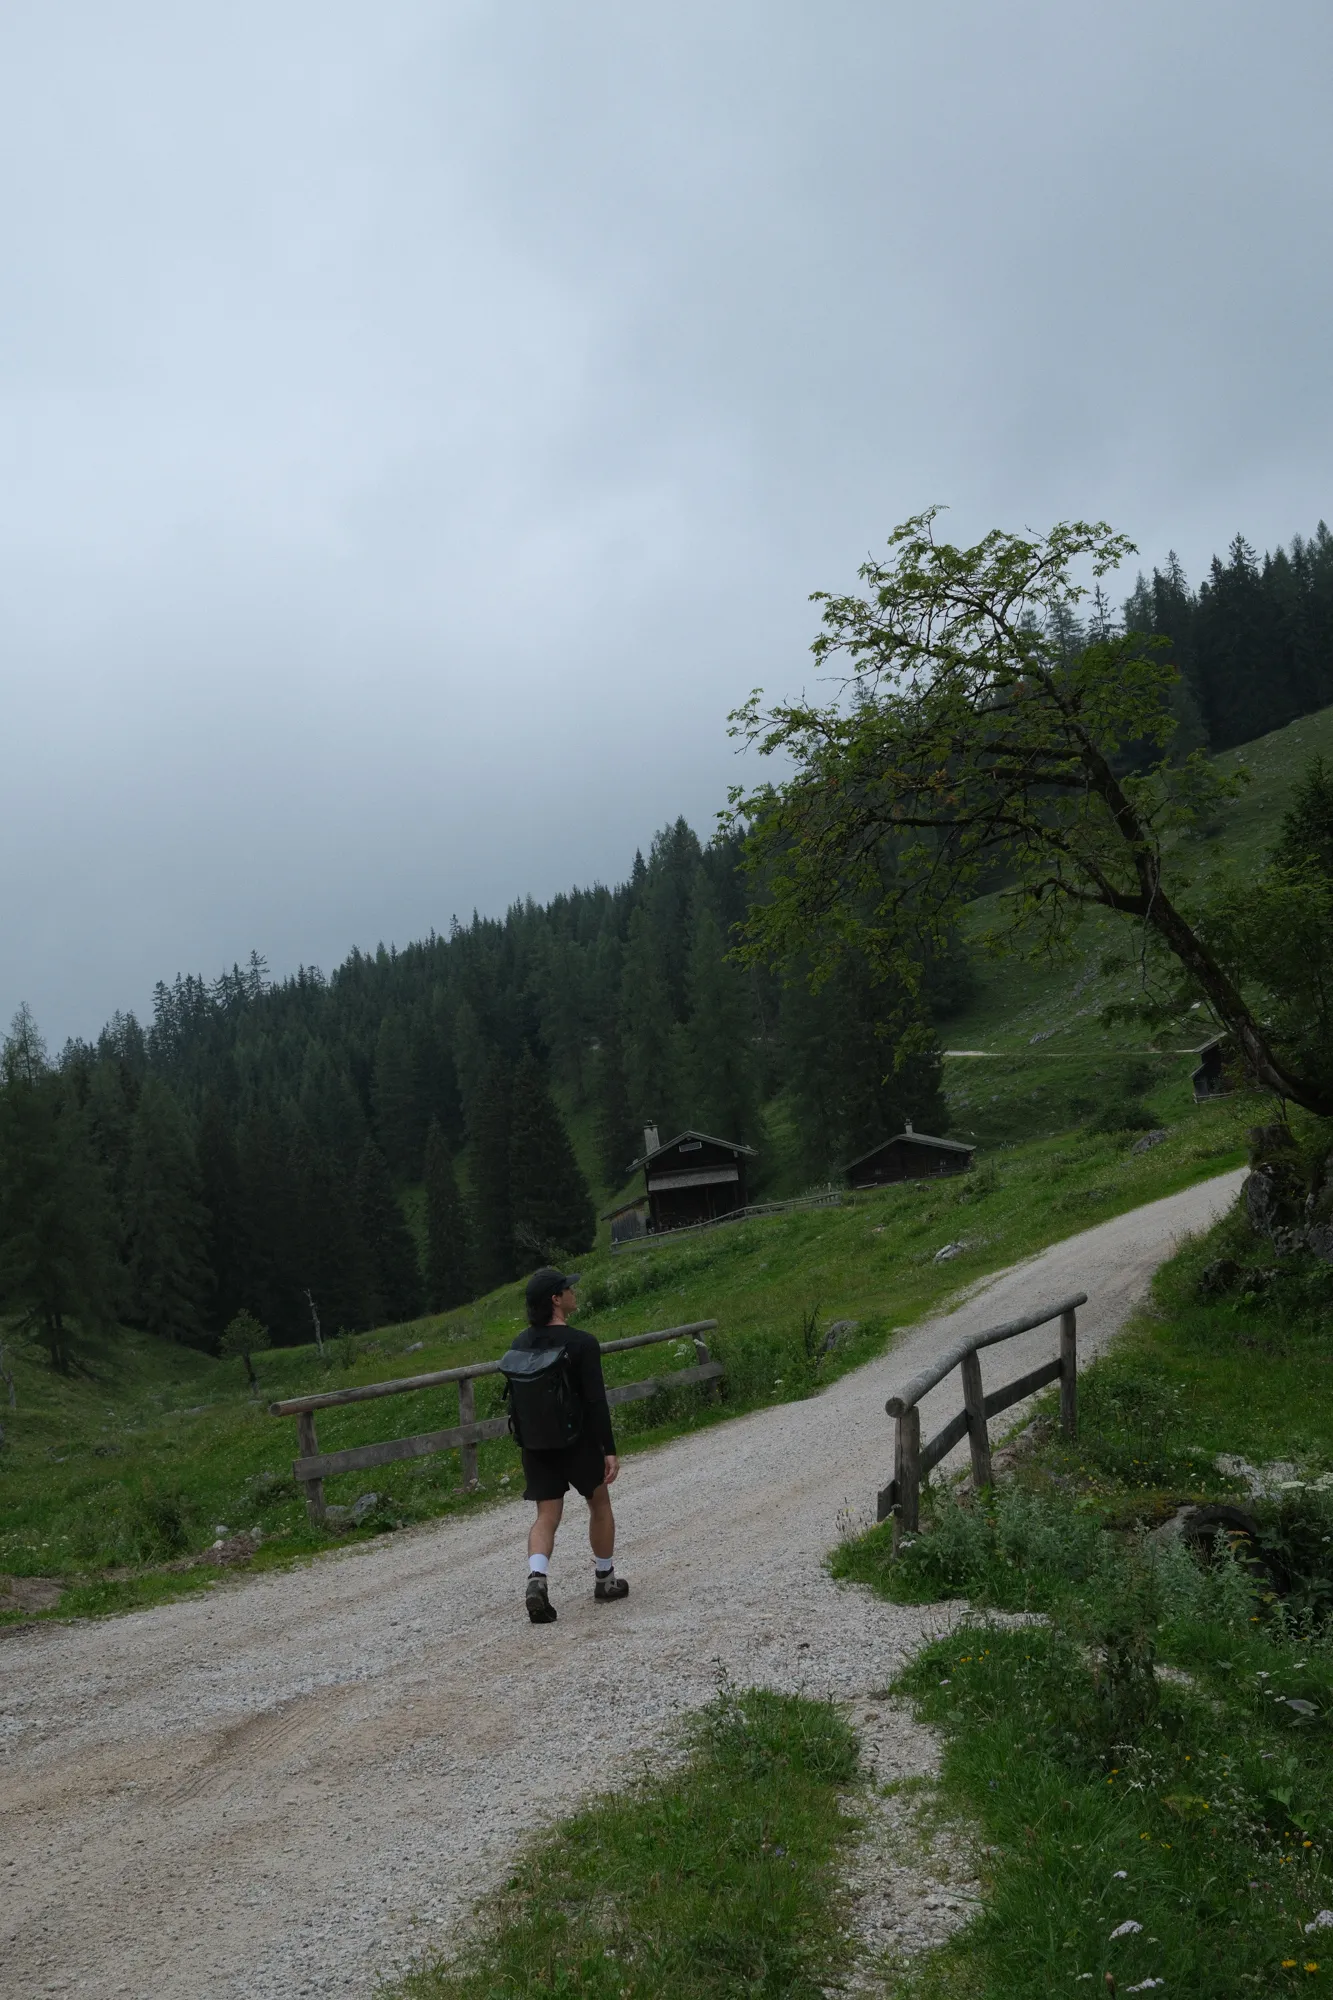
(1157, 1751)
(717, 1878)
(153, 1451)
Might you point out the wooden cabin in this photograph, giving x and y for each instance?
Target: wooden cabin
(692, 1178)
(1210, 1079)
(909, 1156)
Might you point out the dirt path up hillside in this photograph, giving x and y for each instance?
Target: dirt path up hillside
(292, 1784)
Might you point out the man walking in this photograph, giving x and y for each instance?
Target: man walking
(586, 1460)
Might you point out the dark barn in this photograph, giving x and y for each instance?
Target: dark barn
(1210, 1079)
(910, 1156)
(693, 1178)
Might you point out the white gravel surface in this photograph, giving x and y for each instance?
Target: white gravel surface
(291, 1785)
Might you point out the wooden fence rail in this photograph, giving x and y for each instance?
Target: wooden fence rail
(901, 1498)
(313, 1466)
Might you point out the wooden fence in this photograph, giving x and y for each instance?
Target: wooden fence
(314, 1466)
(901, 1498)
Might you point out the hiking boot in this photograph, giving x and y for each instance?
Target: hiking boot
(608, 1588)
(540, 1608)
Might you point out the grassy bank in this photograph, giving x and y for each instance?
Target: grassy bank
(718, 1879)
(146, 1457)
(1151, 1770)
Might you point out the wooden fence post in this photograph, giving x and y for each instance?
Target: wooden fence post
(907, 1470)
(702, 1358)
(978, 1436)
(1069, 1373)
(308, 1445)
(467, 1414)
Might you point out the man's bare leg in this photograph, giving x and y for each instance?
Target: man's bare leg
(541, 1535)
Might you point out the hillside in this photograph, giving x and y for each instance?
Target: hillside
(1048, 1063)
(148, 1455)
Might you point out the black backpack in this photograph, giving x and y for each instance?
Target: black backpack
(545, 1410)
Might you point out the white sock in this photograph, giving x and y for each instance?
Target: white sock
(603, 1564)
(537, 1565)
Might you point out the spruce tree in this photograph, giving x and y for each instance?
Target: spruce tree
(401, 1134)
(720, 1059)
(59, 1276)
(647, 1025)
(492, 1205)
(330, 1258)
(390, 1251)
(227, 1242)
(166, 1224)
(553, 1212)
(614, 1129)
(449, 1252)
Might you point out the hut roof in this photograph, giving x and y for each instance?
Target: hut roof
(732, 1146)
(909, 1138)
(639, 1201)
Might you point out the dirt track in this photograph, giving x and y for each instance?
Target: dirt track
(291, 1785)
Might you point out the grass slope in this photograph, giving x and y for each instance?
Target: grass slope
(1048, 1062)
(1153, 1829)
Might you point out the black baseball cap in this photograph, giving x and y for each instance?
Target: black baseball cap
(544, 1284)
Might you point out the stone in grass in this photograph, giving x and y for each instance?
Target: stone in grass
(841, 1330)
(339, 1519)
(949, 1252)
(1149, 1140)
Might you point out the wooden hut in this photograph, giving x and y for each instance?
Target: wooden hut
(909, 1156)
(629, 1221)
(1210, 1079)
(692, 1178)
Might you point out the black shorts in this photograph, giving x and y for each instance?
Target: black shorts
(550, 1474)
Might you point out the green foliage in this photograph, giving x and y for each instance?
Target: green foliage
(550, 1202)
(242, 1338)
(717, 1879)
(1155, 1749)
(449, 1251)
(968, 738)
(166, 1225)
(394, 1273)
(58, 1276)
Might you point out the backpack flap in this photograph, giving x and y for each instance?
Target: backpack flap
(545, 1413)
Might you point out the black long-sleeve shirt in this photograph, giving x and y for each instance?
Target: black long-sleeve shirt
(585, 1362)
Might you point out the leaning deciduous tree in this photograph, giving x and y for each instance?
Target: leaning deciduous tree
(966, 739)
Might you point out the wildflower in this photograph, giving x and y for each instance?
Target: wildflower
(1127, 1929)
(1323, 1922)
(1121, 1875)
(1312, 1965)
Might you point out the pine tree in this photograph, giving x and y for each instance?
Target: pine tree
(449, 1252)
(397, 1122)
(647, 1024)
(166, 1223)
(719, 1058)
(59, 1275)
(227, 1244)
(329, 1254)
(553, 1212)
(390, 1251)
(613, 1119)
(492, 1204)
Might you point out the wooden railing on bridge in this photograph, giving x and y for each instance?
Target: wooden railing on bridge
(314, 1466)
(901, 1498)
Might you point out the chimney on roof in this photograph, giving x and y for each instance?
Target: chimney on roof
(909, 1124)
(651, 1142)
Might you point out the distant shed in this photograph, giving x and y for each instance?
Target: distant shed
(628, 1222)
(1210, 1079)
(909, 1156)
(693, 1178)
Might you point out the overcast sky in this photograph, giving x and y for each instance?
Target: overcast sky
(422, 420)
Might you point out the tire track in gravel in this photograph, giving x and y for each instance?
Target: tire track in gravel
(291, 1785)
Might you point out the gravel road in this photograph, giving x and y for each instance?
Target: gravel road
(296, 1782)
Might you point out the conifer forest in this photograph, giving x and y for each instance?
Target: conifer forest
(336, 1152)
